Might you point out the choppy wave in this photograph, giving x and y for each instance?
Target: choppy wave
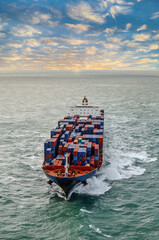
(97, 230)
(84, 210)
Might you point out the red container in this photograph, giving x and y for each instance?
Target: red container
(96, 148)
(48, 156)
(92, 163)
(79, 163)
(69, 127)
(95, 125)
(59, 131)
(65, 147)
(93, 145)
(57, 135)
(83, 137)
(75, 151)
(60, 147)
(83, 158)
(95, 131)
(101, 140)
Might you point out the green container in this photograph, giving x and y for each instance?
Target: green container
(80, 140)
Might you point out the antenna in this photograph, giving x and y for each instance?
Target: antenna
(66, 165)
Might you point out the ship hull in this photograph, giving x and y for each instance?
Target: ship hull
(74, 153)
(69, 184)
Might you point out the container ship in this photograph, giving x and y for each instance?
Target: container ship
(74, 152)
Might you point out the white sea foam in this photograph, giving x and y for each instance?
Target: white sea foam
(122, 165)
(96, 186)
(9, 179)
(97, 230)
(84, 210)
(36, 168)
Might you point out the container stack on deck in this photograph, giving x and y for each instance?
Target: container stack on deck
(81, 138)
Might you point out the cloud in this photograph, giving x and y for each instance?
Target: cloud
(75, 41)
(120, 2)
(54, 41)
(156, 36)
(116, 40)
(2, 35)
(15, 45)
(91, 50)
(2, 25)
(32, 42)
(128, 26)
(141, 37)
(116, 10)
(111, 46)
(145, 50)
(111, 30)
(147, 60)
(130, 43)
(25, 31)
(154, 46)
(77, 27)
(143, 27)
(83, 11)
(42, 18)
(155, 15)
(114, 29)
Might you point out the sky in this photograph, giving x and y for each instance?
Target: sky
(79, 35)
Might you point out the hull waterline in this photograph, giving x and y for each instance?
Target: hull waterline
(68, 185)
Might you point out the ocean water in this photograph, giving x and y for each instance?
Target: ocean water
(122, 201)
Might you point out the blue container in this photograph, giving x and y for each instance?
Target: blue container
(53, 133)
(96, 158)
(58, 157)
(47, 164)
(79, 158)
(52, 161)
(63, 160)
(48, 150)
(74, 162)
(83, 163)
(67, 134)
(48, 160)
(46, 145)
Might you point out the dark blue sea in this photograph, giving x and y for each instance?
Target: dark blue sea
(122, 201)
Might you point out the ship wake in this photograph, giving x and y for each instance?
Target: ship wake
(117, 165)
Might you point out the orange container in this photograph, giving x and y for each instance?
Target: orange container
(54, 141)
(70, 140)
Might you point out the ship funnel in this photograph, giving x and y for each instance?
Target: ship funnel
(85, 101)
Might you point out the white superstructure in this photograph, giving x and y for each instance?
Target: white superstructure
(84, 109)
